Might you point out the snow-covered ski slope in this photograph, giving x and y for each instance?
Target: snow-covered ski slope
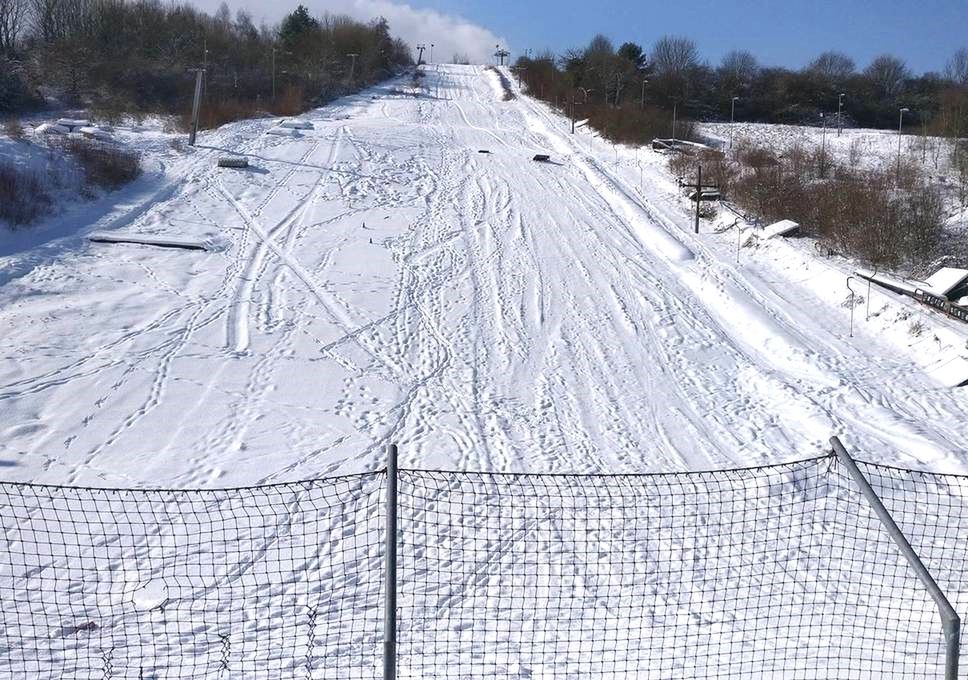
(492, 314)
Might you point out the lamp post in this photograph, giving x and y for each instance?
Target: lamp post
(823, 146)
(675, 111)
(642, 97)
(431, 53)
(840, 113)
(732, 119)
(900, 123)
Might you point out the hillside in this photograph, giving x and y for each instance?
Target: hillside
(378, 278)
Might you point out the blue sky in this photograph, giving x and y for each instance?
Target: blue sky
(925, 33)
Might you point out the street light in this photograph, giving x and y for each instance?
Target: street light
(823, 146)
(900, 122)
(642, 97)
(840, 115)
(732, 119)
(675, 111)
(431, 53)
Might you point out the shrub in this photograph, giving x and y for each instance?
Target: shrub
(23, 197)
(111, 110)
(218, 112)
(105, 165)
(867, 214)
(290, 102)
(13, 129)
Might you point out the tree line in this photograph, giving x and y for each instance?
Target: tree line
(122, 56)
(672, 74)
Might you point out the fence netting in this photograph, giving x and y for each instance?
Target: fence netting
(273, 582)
(773, 572)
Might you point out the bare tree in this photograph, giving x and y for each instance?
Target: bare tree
(957, 67)
(739, 66)
(833, 66)
(674, 56)
(887, 74)
(13, 16)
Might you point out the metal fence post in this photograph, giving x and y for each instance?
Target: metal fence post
(390, 613)
(950, 621)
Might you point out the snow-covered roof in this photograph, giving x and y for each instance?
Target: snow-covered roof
(781, 228)
(950, 371)
(946, 280)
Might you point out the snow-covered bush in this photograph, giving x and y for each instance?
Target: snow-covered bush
(23, 196)
(882, 215)
(105, 165)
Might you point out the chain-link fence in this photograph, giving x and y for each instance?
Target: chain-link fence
(771, 572)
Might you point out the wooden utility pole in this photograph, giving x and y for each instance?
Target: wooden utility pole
(698, 195)
(196, 103)
(353, 57)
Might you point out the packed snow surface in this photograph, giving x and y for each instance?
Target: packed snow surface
(382, 281)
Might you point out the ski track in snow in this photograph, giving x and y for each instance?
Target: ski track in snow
(383, 281)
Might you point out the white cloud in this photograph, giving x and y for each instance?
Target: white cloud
(451, 34)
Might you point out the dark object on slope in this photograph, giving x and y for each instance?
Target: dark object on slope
(483, 151)
(155, 241)
(233, 162)
(541, 157)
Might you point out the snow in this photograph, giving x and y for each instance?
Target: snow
(93, 131)
(283, 131)
(946, 280)
(296, 124)
(781, 228)
(51, 129)
(73, 122)
(950, 371)
(380, 280)
(151, 595)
